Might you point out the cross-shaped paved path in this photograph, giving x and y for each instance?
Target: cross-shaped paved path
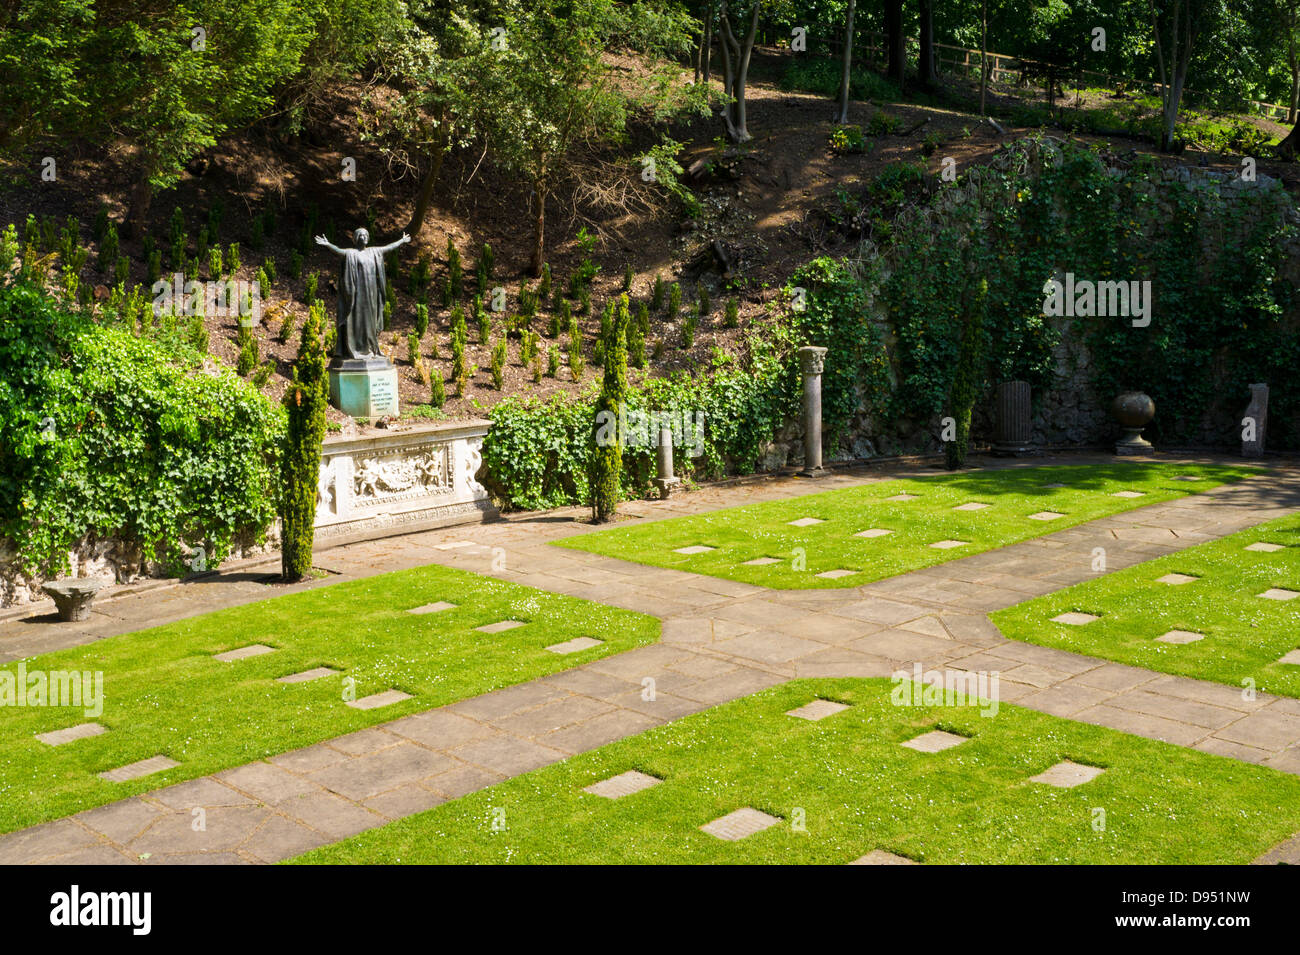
(721, 640)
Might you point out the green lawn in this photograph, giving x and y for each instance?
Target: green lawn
(856, 789)
(1244, 634)
(165, 694)
(800, 554)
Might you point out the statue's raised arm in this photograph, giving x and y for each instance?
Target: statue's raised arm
(396, 245)
(321, 240)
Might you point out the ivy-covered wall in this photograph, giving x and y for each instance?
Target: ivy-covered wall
(116, 448)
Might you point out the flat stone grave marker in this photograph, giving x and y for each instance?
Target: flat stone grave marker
(881, 857)
(1290, 659)
(499, 626)
(574, 645)
(739, 824)
(805, 522)
(1045, 516)
(694, 549)
(436, 607)
(144, 767)
(1129, 494)
(1054, 486)
(1176, 579)
(760, 562)
(1279, 593)
(624, 784)
(1264, 547)
(948, 545)
(1186, 477)
(376, 700)
(1074, 618)
(836, 574)
(971, 506)
(1180, 637)
(1067, 775)
(935, 741)
(306, 676)
(903, 497)
(243, 653)
(873, 532)
(817, 710)
(71, 734)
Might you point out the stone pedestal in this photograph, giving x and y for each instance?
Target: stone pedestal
(72, 598)
(364, 387)
(1015, 421)
(666, 482)
(811, 362)
(1254, 422)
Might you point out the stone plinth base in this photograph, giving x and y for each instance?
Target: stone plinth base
(364, 388)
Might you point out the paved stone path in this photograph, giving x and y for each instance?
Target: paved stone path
(721, 640)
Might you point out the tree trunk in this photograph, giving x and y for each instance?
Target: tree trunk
(925, 65)
(426, 194)
(848, 64)
(1293, 109)
(984, 55)
(539, 232)
(1289, 148)
(137, 215)
(707, 52)
(736, 56)
(895, 44)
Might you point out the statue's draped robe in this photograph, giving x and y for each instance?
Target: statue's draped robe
(362, 287)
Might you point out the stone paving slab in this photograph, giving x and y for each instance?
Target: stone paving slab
(721, 640)
(72, 733)
(739, 824)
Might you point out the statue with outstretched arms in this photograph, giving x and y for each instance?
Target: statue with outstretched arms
(361, 295)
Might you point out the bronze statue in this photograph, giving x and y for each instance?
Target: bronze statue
(362, 286)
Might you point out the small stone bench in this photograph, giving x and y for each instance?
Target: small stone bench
(74, 597)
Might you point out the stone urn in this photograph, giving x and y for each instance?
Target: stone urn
(1134, 411)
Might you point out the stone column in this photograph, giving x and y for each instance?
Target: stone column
(1254, 422)
(666, 482)
(1015, 425)
(811, 361)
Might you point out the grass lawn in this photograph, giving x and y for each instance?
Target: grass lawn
(165, 694)
(856, 789)
(1244, 635)
(793, 557)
